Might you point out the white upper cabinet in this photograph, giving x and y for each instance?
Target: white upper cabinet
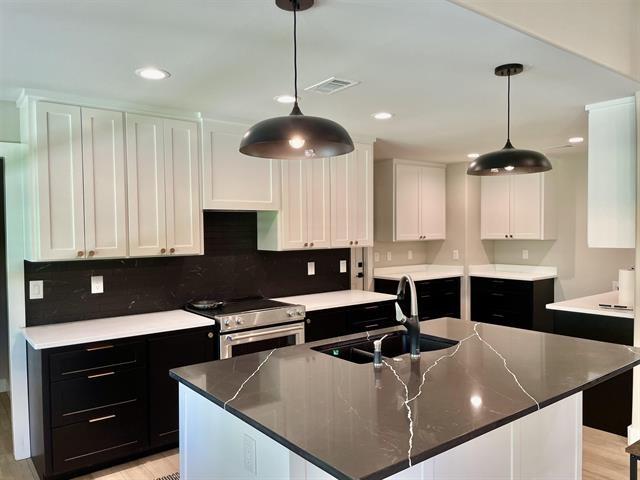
(612, 174)
(518, 207)
(318, 202)
(103, 163)
(410, 201)
(57, 183)
(294, 205)
(352, 198)
(165, 216)
(146, 186)
(231, 180)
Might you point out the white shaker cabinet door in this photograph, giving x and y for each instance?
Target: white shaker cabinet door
(318, 202)
(294, 233)
(526, 206)
(58, 178)
(432, 203)
(407, 202)
(146, 186)
(104, 183)
(495, 207)
(361, 165)
(183, 211)
(342, 183)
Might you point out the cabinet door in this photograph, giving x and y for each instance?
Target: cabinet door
(432, 203)
(494, 207)
(183, 211)
(233, 181)
(526, 206)
(342, 185)
(104, 183)
(59, 183)
(362, 195)
(294, 204)
(318, 202)
(145, 186)
(407, 202)
(167, 352)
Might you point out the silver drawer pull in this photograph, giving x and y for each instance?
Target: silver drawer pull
(101, 419)
(98, 375)
(369, 327)
(373, 307)
(497, 315)
(103, 347)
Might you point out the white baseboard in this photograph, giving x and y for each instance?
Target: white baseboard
(4, 385)
(633, 434)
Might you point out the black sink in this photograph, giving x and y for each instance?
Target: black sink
(393, 345)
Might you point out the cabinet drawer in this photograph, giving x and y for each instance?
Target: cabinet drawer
(516, 302)
(101, 439)
(501, 285)
(376, 311)
(95, 395)
(87, 359)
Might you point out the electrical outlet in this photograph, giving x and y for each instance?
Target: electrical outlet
(36, 290)
(388, 256)
(525, 254)
(250, 461)
(456, 254)
(97, 284)
(409, 254)
(376, 257)
(343, 266)
(311, 268)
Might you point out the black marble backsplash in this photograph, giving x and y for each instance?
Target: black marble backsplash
(231, 267)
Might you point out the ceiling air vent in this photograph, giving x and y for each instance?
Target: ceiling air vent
(331, 85)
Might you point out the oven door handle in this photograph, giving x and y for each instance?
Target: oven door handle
(263, 333)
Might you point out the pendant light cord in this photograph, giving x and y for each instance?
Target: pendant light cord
(509, 108)
(296, 109)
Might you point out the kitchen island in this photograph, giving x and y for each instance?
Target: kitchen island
(497, 403)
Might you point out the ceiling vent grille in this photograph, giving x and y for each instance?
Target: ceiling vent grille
(331, 85)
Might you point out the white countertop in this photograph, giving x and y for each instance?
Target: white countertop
(341, 298)
(589, 305)
(418, 272)
(513, 272)
(87, 331)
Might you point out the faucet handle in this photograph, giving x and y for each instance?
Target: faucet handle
(400, 316)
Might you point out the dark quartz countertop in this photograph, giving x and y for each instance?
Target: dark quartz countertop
(353, 421)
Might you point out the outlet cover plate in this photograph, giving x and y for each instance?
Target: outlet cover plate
(97, 284)
(311, 268)
(36, 290)
(343, 266)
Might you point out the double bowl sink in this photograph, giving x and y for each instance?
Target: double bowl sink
(394, 344)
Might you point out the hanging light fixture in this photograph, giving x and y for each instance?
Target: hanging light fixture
(509, 160)
(296, 136)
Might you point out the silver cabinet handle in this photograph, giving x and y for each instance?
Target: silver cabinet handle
(101, 419)
(102, 347)
(98, 375)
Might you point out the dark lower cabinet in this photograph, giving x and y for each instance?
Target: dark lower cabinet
(334, 322)
(436, 298)
(95, 405)
(607, 406)
(512, 303)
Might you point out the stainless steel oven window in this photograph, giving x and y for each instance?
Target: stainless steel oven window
(231, 340)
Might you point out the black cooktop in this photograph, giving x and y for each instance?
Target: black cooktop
(239, 305)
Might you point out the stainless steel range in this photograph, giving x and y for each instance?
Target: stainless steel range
(251, 325)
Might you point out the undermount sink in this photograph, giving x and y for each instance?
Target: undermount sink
(394, 345)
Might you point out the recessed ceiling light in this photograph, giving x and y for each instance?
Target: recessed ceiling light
(473, 155)
(152, 73)
(576, 140)
(382, 115)
(284, 98)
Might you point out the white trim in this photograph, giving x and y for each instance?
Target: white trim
(610, 103)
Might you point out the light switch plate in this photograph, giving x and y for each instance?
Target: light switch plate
(388, 256)
(36, 290)
(525, 254)
(311, 268)
(409, 254)
(456, 254)
(376, 257)
(97, 284)
(343, 266)
(250, 460)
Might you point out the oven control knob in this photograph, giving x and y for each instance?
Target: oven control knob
(290, 313)
(299, 313)
(226, 322)
(238, 321)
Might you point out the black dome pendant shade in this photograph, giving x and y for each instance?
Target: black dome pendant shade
(509, 160)
(296, 136)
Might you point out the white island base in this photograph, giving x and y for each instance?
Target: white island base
(545, 445)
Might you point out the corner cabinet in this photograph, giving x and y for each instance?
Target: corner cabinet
(231, 180)
(410, 201)
(518, 207)
(88, 169)
(325, 203)
(611, 221)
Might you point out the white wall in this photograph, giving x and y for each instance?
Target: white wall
(9, 122)
(604, 31)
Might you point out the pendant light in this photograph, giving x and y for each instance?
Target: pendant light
(296, 136)
(509, 160)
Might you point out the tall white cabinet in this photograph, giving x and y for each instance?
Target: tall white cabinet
(410, 201)
(104, 184)
(518, 207)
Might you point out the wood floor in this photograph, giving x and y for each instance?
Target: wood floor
(603, 458)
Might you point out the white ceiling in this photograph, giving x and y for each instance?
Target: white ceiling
(429, 62)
